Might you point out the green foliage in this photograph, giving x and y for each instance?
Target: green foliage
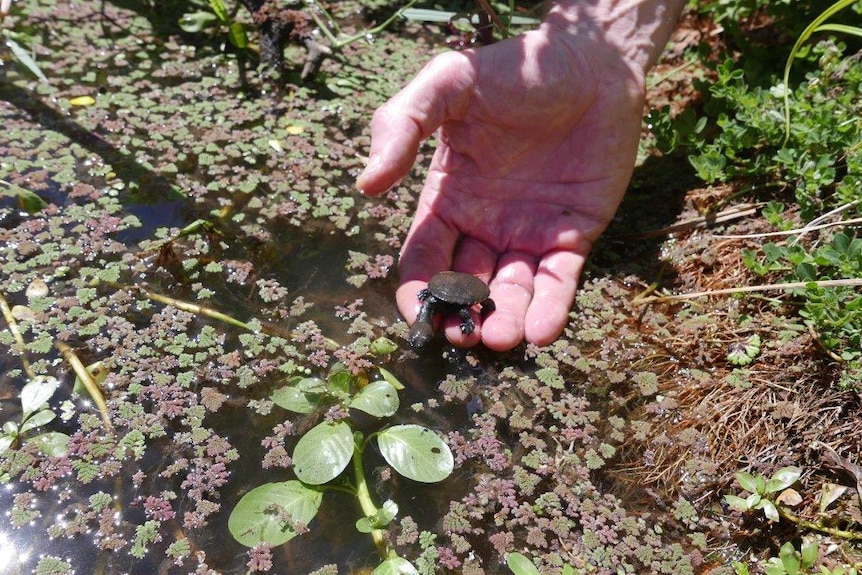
(35, 413)
(762, 491)
(744, 353)
(835, 312)
(219, 18)
(272, 512)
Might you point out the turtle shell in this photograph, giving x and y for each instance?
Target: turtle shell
(458, 288)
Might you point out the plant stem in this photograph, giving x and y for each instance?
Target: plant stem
(87, 379)
(813, 526)
(366, 502)
(338, 43)
(16, 334)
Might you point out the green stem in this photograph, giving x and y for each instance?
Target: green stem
(338, 43)
(366, 502)
(814, 526)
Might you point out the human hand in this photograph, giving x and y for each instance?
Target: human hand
(537, 143)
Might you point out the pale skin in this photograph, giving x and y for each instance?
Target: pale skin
(537, 137)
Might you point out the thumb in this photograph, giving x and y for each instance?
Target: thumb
(436, 95)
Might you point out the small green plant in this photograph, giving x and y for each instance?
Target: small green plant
(744, 352)
(218, 18)
(274, 513)
(834, 313)
(763, 492)
(793, 562)
(35, 413)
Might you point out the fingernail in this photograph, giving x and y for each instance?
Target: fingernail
(372, 166)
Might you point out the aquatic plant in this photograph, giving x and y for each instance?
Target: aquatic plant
(274, 513)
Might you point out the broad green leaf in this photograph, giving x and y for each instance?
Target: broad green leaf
(521, 565)
(38, 419)
(789, 560)
(736, 503)
(782, 479)
(52, 444)
(382, 346)
(37, 393)
(270, 513)
(769, 510)
(809, 552)
(378, 398)
(393, 381)
(338, 381)
(194, 22)
(395, 566)
(322, 454)
(237, 35)
(300, 395)
(747, 481)
(416, 452)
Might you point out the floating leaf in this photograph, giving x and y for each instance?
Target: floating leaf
(395, 566)
(323, 453)
(300, 395)
(82, 101)
(294, 129)
(52, 444)
(382, 346)
(36, 394)
(270, 513)
(378, 398)
(521, 565)
(416, 452)
(393, 381)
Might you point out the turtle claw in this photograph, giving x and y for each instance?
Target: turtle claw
(467, 325)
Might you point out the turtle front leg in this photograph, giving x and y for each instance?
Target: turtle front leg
(467, 325)
(488, 306)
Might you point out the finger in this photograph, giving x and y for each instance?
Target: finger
(427, 250)
(512, 292)
(437, 94)
(555, 286)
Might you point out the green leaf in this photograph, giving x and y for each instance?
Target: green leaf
(382, 346)
(270, 513)
(23, 56)
(237, 35)
(322, 454)
(769, 510)
(393, 381)
(6, 442)
(300, 395)
(194, 22)
(378, 398)
(220, 10)
(339, 380)
(416, 452)
(736, 503)
(38, 419)
(789, 560)
(746, 481)
(395, 566)
(521, 565)
(782, 479)
(36, 394)
(52, 444)
(382, 518)
(809, 552)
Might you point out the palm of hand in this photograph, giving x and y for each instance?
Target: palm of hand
(530, 168)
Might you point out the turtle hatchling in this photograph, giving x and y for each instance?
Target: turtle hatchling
(449, 292)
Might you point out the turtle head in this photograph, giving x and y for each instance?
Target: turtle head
(420, 333)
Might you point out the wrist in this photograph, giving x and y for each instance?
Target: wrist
(636, 30)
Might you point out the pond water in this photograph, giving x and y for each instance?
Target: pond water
(174, 136)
